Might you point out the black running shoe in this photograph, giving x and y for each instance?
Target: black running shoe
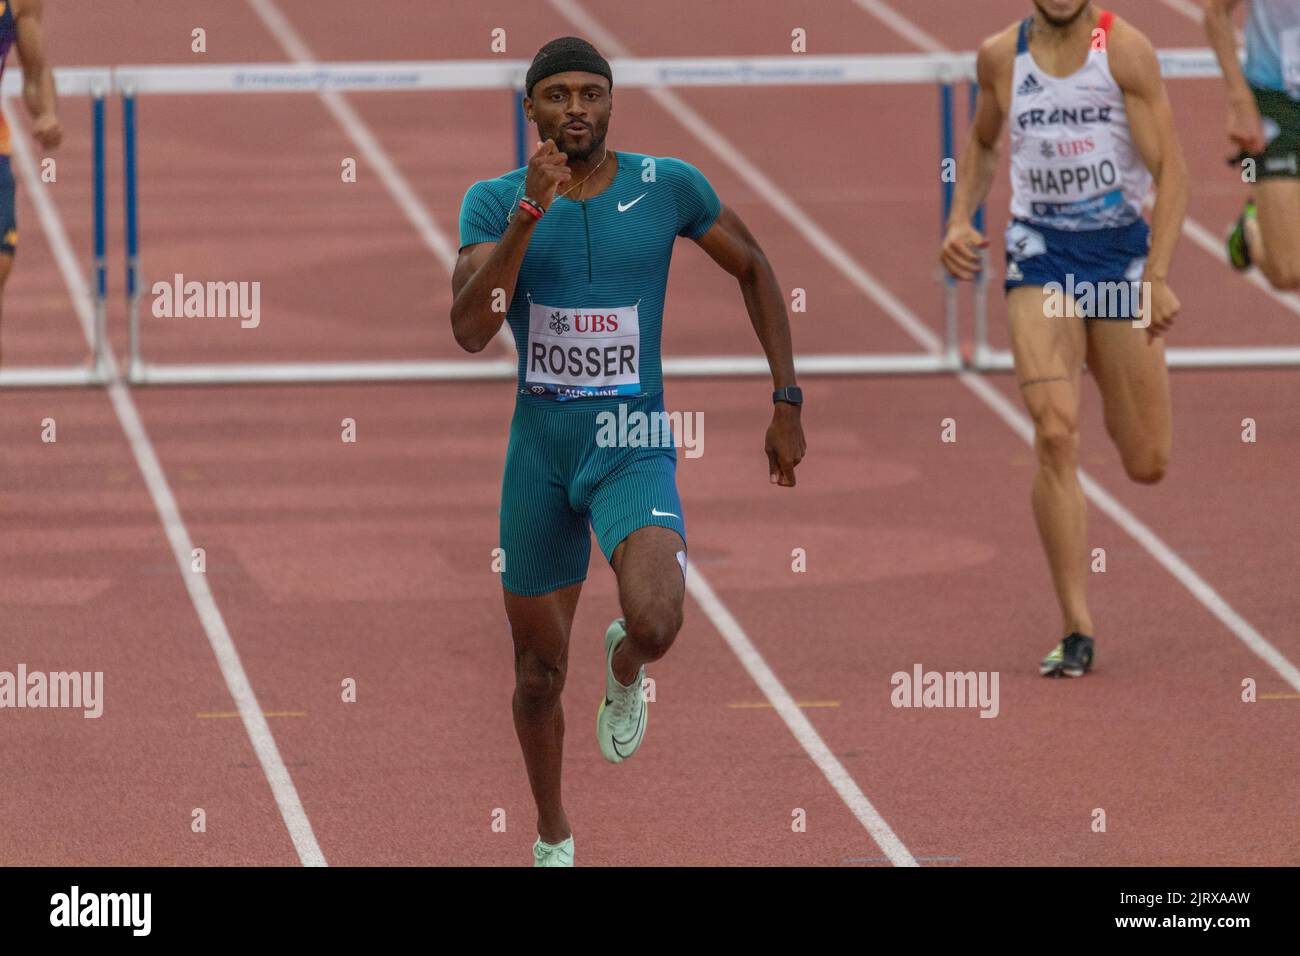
(1071, 658)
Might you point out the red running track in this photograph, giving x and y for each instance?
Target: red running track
(371, 560)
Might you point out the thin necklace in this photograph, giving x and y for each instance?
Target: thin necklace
(603, 157)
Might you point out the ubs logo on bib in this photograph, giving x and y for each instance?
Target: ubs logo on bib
(1067, 149)
(573, 353)
(595, 322)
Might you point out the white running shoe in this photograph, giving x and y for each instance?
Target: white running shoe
(621, 719)
(558, 854)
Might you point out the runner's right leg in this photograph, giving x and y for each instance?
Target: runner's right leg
(1049, 355)
(546, 546)
(540, 628)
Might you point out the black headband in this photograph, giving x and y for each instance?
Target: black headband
(567, 54)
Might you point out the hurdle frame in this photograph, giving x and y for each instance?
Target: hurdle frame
(133, 82)
(96, 83)
(946, 71)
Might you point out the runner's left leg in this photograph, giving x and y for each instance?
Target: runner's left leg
(1274, 235)
(1134, 383)
(651, 590)
(636, 512)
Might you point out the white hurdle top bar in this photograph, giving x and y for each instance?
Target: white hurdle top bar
(791, 70)
(68, 81)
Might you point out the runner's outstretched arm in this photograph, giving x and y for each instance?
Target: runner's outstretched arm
(733, 247)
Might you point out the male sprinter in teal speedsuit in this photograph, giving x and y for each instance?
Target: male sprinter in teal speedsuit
(578, 242)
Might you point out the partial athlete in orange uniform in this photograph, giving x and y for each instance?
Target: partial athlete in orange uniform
(20, 25)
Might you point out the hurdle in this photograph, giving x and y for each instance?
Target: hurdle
(946, 71)
(135, 83)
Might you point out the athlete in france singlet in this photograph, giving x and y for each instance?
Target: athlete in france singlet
(1078, 181)
(1073, 162)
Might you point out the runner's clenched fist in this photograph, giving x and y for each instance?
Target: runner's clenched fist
(548, 169)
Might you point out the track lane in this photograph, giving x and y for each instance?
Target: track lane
(729, 396)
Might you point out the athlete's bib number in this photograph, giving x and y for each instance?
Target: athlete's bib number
(582, 353)
(1291, 59)
(1075, 179)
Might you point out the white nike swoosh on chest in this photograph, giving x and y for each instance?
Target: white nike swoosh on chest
(623, 208)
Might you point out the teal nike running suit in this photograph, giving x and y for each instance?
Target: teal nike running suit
(587, 314)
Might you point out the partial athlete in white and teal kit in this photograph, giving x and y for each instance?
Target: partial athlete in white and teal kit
(1272, 69)
(587, 315)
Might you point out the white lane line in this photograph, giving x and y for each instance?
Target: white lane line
(1186, 8)
(205, 605)
(757, 668)
(902, 26)
(1139, 532)
(794, 718)
(416, 212)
